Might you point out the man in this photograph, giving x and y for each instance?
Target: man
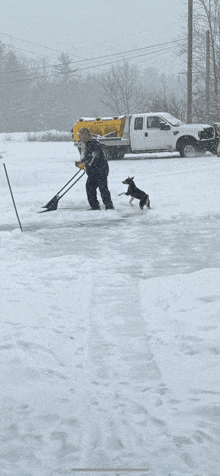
(97, 170)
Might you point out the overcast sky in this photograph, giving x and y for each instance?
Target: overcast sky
(92, 28)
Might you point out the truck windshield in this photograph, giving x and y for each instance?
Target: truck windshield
(172, 120)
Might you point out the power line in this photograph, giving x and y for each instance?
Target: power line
(113, 54)
(27, 41)
(30, 52)
(91, 67)
(98, 57)
(160, 51)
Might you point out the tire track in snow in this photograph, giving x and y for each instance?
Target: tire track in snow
(123, 379)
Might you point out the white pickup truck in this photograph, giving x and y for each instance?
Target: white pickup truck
(151, 132)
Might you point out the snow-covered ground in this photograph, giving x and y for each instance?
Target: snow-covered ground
(110, 320)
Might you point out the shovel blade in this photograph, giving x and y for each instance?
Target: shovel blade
(44, 211)
(52, 204)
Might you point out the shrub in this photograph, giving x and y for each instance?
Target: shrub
(49, 136)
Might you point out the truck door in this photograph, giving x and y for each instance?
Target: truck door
(137, 133)
(158, 134)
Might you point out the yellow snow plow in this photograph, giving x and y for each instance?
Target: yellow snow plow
(107, 126)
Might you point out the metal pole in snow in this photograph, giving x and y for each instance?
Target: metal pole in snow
(12, 197)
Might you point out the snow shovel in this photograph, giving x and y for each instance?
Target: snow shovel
(53, 203)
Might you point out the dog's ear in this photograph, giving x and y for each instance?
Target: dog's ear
(132, 178)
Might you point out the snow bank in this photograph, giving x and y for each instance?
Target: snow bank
(42, 136)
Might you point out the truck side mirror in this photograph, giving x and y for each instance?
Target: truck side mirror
(164, 127)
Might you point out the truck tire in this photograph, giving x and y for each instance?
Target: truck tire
(214, 148)
(114, 153)
(188, 148)
(120, 152)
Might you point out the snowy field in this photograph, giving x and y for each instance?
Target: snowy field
(110, 320)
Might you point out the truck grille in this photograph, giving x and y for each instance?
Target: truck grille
(207, 133)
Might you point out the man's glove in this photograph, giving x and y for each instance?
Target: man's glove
(81, 165)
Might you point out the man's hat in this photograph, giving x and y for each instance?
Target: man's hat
(83, 130)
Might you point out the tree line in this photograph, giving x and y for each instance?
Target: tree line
(38, 96)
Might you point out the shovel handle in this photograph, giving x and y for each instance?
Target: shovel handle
(68, 182)
(60, 196)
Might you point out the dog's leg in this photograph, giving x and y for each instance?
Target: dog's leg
(130, 201)
(145, 202)
(142, 203)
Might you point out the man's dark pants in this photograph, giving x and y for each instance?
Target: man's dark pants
(94, 182)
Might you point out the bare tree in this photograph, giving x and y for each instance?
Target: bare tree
(35, 95)
(206, 17)
(162, 93)
(121, 88)
(63, 71)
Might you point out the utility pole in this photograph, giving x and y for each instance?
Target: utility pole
(207, 74)
(189, 70)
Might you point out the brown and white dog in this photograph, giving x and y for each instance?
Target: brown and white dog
(135, 192)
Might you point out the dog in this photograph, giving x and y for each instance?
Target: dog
(135, 192)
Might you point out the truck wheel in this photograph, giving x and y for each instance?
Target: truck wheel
(115, 153)
(188, 148)
(214, 148)
(108, 153)
(111, 153)
(120, 154)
